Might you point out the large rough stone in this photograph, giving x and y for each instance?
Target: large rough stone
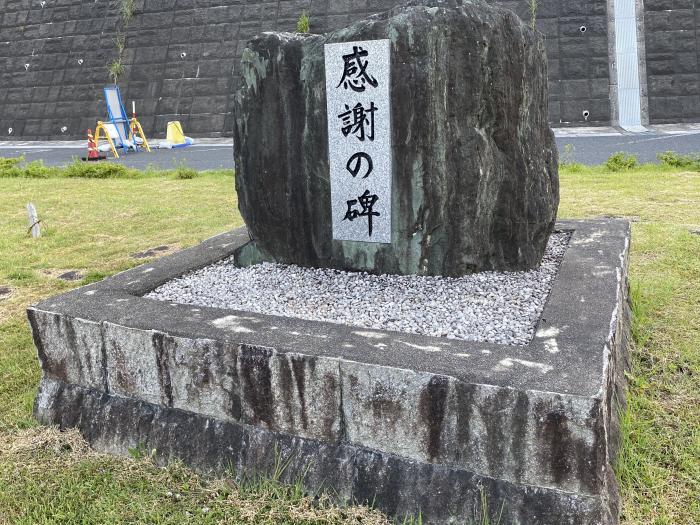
(475, 183)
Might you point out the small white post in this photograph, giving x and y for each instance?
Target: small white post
(33, 221)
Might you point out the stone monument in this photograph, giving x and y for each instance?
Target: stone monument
(415, 142)
(421, 136)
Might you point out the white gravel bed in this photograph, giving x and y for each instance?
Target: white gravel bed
(496, 307)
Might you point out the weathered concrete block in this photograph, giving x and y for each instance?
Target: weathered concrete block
(475, 183)
(548, 440)
(411, 423)
(383, 409)
(202, 376)
(134, 362)
(71, 350)
(308, 396)
(254, 385)
(395, 484)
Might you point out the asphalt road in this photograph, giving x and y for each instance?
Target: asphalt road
(587, 147)
(206, 156)
(593, 150)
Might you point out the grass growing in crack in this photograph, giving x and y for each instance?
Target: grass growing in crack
(94, 224)
(126, 11)
(116, 69)
(304, 23)
(532, 6)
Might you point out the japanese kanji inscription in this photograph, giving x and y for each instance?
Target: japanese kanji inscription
(359, 139)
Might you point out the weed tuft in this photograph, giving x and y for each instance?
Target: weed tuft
(11, 172)
(575, 167)
(532, 6)
(37, 170)
(671, 159)
(22, 275)
(567, 162)
(566, 157)
(184, 172)
(93, 276)
(116, 69)
(141, 452)
(97, 170)
(126, 10)
(16, 168)
(7, 163)
(304, 23)
(621, 162)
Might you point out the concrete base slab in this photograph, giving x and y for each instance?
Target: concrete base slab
(414, 424)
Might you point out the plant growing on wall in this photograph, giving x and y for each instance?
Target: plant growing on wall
(303, 24)
(126, 10)
(532, 6)
(116, 68)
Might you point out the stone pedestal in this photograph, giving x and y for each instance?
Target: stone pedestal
(413, 424)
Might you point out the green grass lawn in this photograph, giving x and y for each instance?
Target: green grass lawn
(94, 225)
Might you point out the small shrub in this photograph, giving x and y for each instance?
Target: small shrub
(11, 167)
(9, 162)
(621, 162)
(304, 23)
(672, 159)
(96, 170)
(12, 173)
(37, 170)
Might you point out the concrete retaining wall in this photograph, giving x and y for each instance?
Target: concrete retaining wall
(181, 58)
(673, 58)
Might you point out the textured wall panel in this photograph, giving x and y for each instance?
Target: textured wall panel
(181, 58)
(673, 56)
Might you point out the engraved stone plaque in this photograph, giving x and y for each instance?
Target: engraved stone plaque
(359, 139)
